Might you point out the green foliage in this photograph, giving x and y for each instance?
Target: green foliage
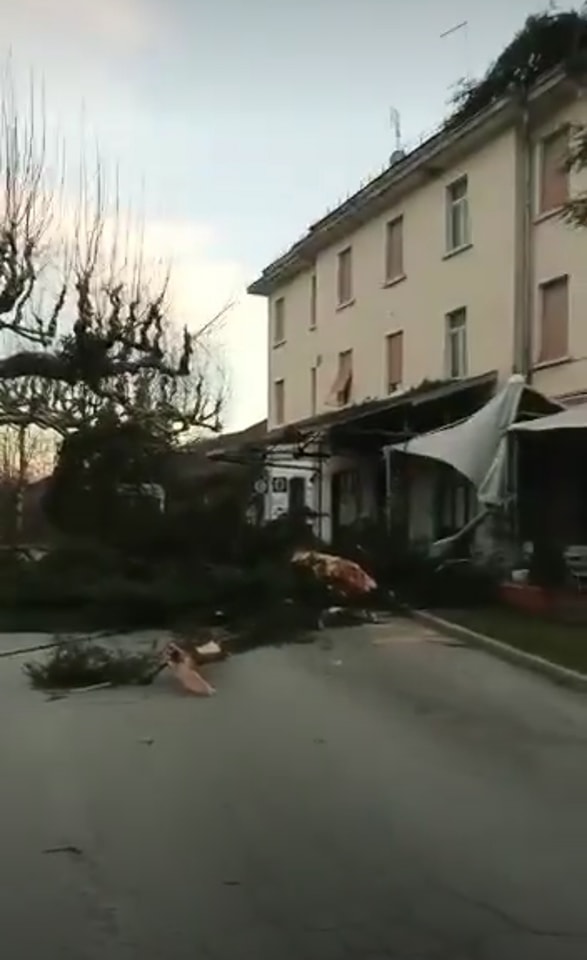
(204, 522)
(575, 210)
(277, 540)
(548, 568)
(546, 41)
(422, 582)
(81, 663)
(85, 496)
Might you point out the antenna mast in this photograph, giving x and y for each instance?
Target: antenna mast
(395, 120)
(461, 28)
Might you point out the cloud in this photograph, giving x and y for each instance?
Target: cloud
(201, 285)
(121, 22)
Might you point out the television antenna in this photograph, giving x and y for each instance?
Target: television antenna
(398, 151)
(462, 29)
(395, 121)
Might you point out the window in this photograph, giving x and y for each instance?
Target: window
(346, 498)
(458, 232)
(394, 249)
(395, 360)
(455, 502)
(279, 321)
(313, 390)
(345, 277)
(554, 177)
(456, 343)
(345, 369)
(279, 401)
(313, 301)
(341, 391)
(296, 499)
(554, 320)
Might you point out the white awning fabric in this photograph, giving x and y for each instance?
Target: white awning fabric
(470, 447)
(574, 418)
(477, 447)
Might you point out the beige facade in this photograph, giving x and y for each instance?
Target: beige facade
(445, 266)
(560, 250)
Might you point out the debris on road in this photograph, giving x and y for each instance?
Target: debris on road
(345, 617)
(182, 666)
(342, 577)
(210, 652)
(79, 666)
(68, 848)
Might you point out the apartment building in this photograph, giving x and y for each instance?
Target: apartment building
(453, 263)
(433, 269)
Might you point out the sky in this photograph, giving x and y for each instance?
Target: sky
(234, 124)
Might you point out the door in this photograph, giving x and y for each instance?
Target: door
(296, 503)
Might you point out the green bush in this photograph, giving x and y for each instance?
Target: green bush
(80, 663)
(425, 583)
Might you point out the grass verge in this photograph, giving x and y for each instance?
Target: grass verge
(562, 643)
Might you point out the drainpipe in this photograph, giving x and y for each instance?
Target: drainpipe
(523, 318)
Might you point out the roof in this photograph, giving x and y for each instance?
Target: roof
(226, 441)
(414, 170)
(426, 392)
(575, 418)
(475, 447)
(197, 459)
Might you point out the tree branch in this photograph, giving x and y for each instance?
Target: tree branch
(113, 354)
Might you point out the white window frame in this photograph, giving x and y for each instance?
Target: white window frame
(313, 390)
(278, 304)
(313, 300)
(345, 254)
(458, 219)
(392, 387)
(456, 333)
(279, 387)
(395, 223)
(345, 361)
(563, 130)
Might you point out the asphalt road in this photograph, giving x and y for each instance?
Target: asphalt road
(381, 794)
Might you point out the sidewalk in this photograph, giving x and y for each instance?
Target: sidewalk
(558, 651)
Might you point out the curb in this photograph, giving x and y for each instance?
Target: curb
(564, 676)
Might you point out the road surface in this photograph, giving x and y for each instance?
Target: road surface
(384, 793)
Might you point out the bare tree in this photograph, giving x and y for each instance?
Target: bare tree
(85, 329)
(26, 453)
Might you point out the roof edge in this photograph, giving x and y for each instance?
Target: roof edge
(317, 238)
(300, 430)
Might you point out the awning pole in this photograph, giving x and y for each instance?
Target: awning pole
(515, 468)
(512, 469)
(387, 455)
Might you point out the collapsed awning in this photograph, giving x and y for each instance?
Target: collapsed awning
(575, 418)
(476, 448)
(364, 412)
(470, 446)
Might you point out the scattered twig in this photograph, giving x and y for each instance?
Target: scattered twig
(68, 848)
